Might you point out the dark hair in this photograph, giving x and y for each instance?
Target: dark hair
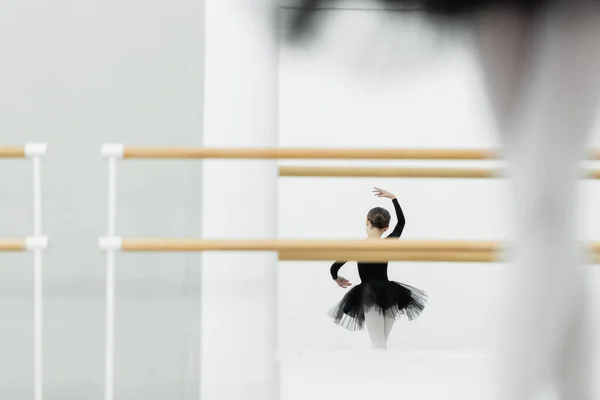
(379, 217)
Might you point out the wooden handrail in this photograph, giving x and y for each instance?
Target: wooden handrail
(132, 152)
(402, 172)
(12, 151)
(303, 245)
(13, 245)
(390, 255)
(388, 172)
(307, 153)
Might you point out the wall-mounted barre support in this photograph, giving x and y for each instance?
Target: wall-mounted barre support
(112, 153)
(36, 244)
(401, 172)
(133, 152)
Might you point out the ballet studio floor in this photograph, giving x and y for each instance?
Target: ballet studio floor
(360, 375)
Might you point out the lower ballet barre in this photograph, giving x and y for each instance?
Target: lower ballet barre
(13, 245)
(160, 244)
(391, 255)
(314, 250)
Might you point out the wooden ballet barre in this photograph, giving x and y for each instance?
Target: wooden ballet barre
(307, 153)
(156, 244)
(29, 150)
(12, 152)
(367, 250)
(319, 250)
(388, 172)
(282, 245)
(401, 172)
(13, 245)
(23, 244)
(416, 256)
(390, 255)
(135, 152)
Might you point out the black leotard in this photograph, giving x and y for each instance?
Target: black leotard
(371, 270)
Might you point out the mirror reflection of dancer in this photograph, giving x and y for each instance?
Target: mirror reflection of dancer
(377, 301)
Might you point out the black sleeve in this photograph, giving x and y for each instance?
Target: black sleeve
(401, 220)
(335, 268)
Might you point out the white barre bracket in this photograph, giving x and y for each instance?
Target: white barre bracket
(113, 150)
(35, 243)
(35, 149)
(110, 243)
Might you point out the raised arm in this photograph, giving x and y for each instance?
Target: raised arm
(399, 214)
(401, 220)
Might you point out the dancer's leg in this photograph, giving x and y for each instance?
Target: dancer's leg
(543, 147)
(504, 42)
(388, 324)
(376, 328)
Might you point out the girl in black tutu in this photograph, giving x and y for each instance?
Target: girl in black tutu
(377, 301)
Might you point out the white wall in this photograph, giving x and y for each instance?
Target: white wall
(239, 289)
(382, 79)
(77, 74)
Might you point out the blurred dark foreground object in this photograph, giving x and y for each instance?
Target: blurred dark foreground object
(303, 20)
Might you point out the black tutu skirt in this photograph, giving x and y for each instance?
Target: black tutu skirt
(391, 299)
